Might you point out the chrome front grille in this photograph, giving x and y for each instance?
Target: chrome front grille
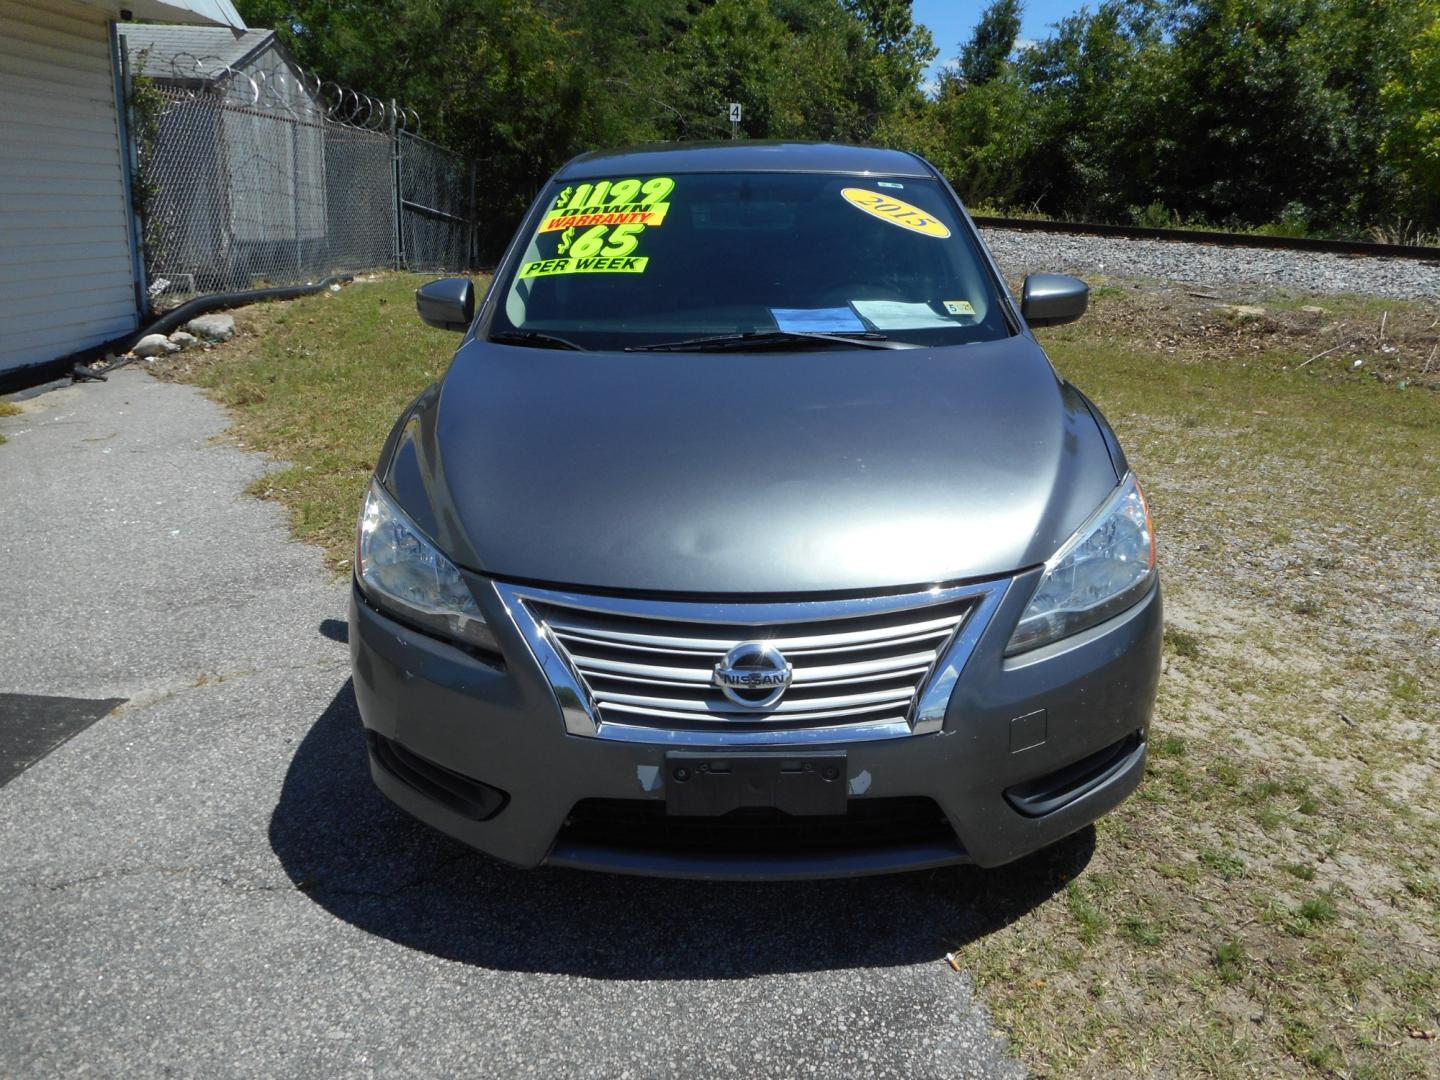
(642, 670)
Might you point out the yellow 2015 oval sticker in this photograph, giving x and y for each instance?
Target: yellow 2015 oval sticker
(895, 212)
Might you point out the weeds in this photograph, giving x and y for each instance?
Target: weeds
(1229, 959)
(8, 408)
(1089, 920)
(1182, 642)
(1227, 864)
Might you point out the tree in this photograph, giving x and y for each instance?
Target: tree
(891, 37)
(1411, 144)
(1093, 112)
(985, 140)
(984, 55)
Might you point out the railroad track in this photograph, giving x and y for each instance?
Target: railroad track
(1352, 248)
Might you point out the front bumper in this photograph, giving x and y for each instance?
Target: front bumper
(1003, 771)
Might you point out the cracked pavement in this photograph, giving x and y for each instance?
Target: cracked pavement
(204, 882)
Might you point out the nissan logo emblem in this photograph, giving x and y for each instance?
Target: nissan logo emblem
(753, 675)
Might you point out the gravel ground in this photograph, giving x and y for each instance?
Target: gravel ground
(206, 883)
(1022, 253)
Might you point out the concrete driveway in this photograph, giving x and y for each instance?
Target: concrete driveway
(204, 882)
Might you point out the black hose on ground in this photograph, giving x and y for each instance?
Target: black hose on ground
(203, 305)
(75, 364)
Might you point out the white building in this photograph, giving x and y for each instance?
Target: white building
(70, 274)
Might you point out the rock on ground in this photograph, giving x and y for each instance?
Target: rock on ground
(154, 345)
(216, 327)
(184, 340)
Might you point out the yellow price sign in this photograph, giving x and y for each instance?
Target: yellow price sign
(631, 201)
(601, 264)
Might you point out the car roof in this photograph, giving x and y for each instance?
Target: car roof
(745, 156)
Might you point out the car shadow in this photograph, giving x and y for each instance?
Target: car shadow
(364, 861)
(337, 630)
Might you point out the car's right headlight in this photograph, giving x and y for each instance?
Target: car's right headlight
(1107, 565)
(404, 574)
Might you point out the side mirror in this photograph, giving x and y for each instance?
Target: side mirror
(446, 304)
(1052, 299)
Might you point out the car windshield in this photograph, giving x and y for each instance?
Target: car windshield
(620, 262)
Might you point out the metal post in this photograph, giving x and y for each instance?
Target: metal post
(295, 196)
(399, 258)
(473, 235)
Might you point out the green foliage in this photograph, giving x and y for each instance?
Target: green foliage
(1299, 115)
(146, 104)
(986, 140)
(1293, 116)
(1154, 216)
(987, 52)
(754, 52)
(1230, 961)
(1410, 103)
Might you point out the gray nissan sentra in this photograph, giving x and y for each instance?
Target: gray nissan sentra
(752, 534)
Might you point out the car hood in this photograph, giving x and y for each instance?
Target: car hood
(774, 472)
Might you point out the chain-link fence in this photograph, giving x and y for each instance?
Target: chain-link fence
(249, 178)
(434, 183)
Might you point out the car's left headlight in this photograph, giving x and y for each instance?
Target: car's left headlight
(1106, 566)
(404, 574)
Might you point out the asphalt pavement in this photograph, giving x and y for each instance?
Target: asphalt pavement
(203, 882)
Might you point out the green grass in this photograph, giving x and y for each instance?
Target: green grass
(1182, 642)
(1140, 930)
(1227, 864)
(1089, 919)
(8, 408)
(1229, 959)
(1404, 688)
(1167, 745)
(1318, 910)
(1253, 910)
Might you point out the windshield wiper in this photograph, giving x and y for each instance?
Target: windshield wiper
(767, 339)
(534, 339)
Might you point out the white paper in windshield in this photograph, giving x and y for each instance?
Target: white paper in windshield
(897, 315)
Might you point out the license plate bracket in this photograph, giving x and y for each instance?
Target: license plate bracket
(700, 784)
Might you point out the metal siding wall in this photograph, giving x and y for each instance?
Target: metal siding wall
(66, 274)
